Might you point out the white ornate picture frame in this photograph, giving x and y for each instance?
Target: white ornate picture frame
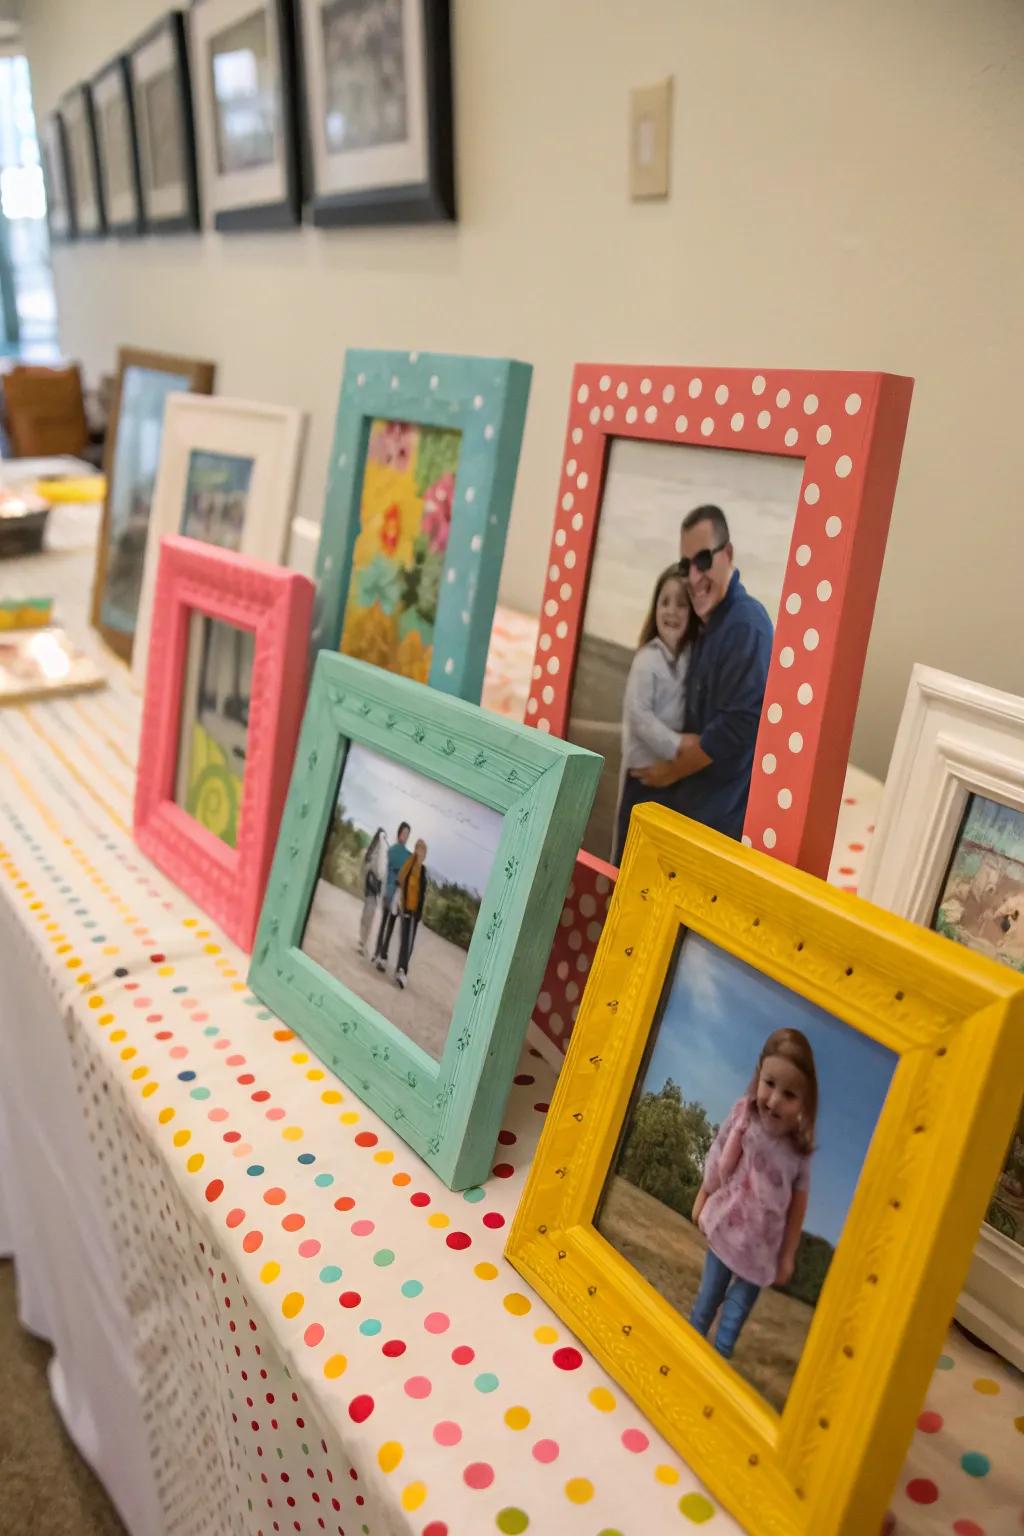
(264, 440)
(956, 739)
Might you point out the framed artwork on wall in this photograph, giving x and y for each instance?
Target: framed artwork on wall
(80, 139)
(755, 1194)
(143, 383)
(227, 476)
(948, 852)
(60, 214)
(243, 54)
(377, 84)
(158, 69)
(117, 156)
(793, 475)
(419, 490)
(224, 698)
(419, 874)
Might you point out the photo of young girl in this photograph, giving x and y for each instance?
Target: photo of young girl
(655, 693)
(752, 1200)
(740, 1155)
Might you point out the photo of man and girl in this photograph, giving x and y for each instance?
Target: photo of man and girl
(740, 1155)
(673, 700)
(402, 876)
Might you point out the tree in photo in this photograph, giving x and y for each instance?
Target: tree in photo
(666, 1147)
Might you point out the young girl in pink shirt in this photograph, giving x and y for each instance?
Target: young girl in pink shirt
(753, 1198)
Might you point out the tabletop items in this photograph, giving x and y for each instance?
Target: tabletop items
(418, 893)
(38, 663)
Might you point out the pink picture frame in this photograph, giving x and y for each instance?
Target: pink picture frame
(849, 428)
(276, 605)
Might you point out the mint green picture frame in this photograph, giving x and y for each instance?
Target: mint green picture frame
(483, 398)
(449, 1111)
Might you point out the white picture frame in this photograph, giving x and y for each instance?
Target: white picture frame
(198, 430)
(253, 43)
(956, 739)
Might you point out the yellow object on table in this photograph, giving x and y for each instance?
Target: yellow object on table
(82, 488)
(25, 613)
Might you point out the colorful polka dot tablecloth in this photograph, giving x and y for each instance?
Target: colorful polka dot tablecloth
(321, 1337)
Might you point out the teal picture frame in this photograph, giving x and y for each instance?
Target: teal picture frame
(448, 1110)
(483, 398)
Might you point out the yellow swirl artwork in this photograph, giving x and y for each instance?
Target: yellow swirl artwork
(214, 793)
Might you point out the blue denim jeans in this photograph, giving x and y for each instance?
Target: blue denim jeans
(719, 1287)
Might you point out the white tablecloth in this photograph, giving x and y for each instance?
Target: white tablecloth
(268, 1315)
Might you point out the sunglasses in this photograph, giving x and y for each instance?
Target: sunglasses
(701, 561)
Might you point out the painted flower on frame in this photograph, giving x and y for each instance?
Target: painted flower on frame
(370, 635)
(437, 512)
(437, 455)
(379, 582)
(405, 515)
(429, 587)
(390, 515)
(413, 657)
(392, 444)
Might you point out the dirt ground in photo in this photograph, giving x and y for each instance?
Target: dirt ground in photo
(424, 1010)
(669, 1252)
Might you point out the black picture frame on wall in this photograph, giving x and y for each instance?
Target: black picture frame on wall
(60, 202)
(392, 60)
(158, 69)
(253, 178)
(85, 193)
(117, 150)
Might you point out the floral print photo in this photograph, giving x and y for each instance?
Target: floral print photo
(398, 558)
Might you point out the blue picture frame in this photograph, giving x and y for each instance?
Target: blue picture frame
(485, 400)
(448, 1109)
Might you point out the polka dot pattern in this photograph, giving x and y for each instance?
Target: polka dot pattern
(519, 1430)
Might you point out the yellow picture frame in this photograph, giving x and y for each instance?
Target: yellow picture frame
(826, 1465)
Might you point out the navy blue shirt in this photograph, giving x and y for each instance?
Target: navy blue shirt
(724, 694)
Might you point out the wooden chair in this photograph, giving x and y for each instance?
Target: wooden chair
(44, 411)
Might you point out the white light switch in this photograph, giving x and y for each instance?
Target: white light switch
(649, 135)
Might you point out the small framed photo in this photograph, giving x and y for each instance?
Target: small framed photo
(949, 853)
(243, 54)
(378, 93)
(756, 1191)
(224, 698)
(158, 70)
(60, 213)
(423, 856)
(716, 551)
(116, 148)
(419, 489)
(80, 138)
(227, 475)
(143, 384)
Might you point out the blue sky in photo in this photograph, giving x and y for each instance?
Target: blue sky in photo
(717, 1017)
(461, 835)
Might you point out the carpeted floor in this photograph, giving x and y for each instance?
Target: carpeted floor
(46, 1489)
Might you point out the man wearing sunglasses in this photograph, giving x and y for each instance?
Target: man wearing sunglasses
(709, 777)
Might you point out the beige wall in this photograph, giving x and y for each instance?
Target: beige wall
(847, 191)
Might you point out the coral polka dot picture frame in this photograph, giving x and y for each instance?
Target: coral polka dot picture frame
(419, 490)
(804, 463)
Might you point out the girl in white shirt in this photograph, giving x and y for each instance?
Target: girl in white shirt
(652, 704)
